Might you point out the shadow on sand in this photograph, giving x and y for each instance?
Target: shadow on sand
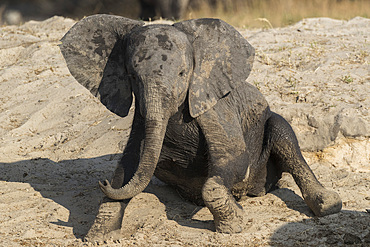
(74, 185)
(346, 228)
(70, 183)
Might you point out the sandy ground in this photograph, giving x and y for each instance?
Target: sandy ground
(57, 142)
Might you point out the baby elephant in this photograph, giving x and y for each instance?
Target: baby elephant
(198, 125)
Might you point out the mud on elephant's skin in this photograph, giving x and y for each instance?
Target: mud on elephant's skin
(198, 125)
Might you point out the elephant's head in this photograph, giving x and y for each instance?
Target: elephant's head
(200, 60)
(159, 63)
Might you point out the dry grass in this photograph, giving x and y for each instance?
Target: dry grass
(277, 13)
(240, 13)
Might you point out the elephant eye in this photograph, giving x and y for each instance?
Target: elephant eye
(133, 77)
(182, 73)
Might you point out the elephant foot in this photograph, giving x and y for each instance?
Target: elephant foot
(227, 213)
(231, 225)
(323, 202)
(107, 224)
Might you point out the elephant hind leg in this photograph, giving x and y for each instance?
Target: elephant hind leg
(286, 154)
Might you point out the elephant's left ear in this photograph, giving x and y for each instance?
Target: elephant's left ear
(223, 60)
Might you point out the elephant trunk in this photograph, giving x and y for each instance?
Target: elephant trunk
(154, 134)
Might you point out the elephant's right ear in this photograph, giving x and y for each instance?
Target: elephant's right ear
(222, 61)
(94, 52)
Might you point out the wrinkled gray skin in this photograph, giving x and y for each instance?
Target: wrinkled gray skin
(198, 125)
(168, 9)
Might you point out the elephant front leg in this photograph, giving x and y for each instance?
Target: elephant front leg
(129, 162)
(225, 142)
(107, 224)
(227, 213)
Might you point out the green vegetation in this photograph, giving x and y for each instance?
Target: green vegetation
(347, 79)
